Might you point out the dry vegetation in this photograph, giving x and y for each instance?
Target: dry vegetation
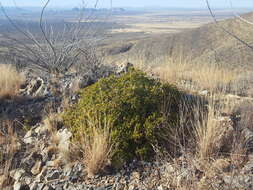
(97, 148)
(208, 140)
(9, 145)
(10, 81)
(216, 147)
(199, 76)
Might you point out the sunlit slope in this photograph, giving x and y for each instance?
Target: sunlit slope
(208, 44)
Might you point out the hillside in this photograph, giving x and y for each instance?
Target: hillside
(205, 44)
(165, 119)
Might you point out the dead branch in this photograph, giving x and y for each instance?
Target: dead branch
(53, 52)
(226, 30)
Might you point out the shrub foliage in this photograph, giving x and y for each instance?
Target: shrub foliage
(134, 102)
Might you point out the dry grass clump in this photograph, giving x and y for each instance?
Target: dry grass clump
(215, 133)
(194, 75)
(243, 84)
(8, 147)
(219, 145)
(97, 147)
(10, 80)
(208, 135)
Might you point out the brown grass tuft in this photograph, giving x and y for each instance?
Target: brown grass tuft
(97, 147)
(8, 147)
(10, 81)
(213, 133)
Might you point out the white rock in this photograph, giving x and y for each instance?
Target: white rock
(17, 174)
(17, 186)
(28, 134)
(29, 140)
(64, 142)
(204, 93)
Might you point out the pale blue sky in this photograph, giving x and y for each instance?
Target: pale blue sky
(132, 3)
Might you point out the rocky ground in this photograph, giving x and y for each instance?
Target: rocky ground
(39, 162)
(38, 167)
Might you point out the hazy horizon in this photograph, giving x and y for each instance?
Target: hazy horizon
(131, 3)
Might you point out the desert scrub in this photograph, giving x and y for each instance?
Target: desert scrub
(134, 102)
(10, 80)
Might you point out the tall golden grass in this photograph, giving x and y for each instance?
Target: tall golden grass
(97, 147)
(10, 80)
(209, 135)
(197, 76)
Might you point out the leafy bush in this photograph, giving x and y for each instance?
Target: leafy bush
(134, 102)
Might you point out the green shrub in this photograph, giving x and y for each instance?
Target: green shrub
(134, 103)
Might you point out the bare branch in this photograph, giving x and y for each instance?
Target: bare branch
(43, 31)
(55, 52)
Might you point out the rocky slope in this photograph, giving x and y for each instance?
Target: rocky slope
(40, 163)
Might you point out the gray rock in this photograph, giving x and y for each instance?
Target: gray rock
(52, 175)
(35, 87)
(160, 188)
(204, 93)
(28, 180)
(20, 186)
(124, 68)
(64, 141)
(17, 174)
(40, 186)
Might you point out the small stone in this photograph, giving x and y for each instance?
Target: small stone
(40, 186)
(36, 168)
(136, 175)
(169, 168)
(204, 93)
(17, 186)
(132, 187)
(28, 134)
(17, 174)
(64, 142)
(50, 164)
(40, 130)
(28, 180)
(53, 175)
(29, 140)
(48, 188)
